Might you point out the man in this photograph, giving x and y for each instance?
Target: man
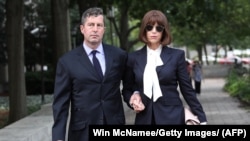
(92, 96)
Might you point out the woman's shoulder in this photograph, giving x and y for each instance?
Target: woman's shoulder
(171, 49)
(174, 49)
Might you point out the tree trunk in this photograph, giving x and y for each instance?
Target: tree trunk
(124, 44)
(15, 46)
(61, 27)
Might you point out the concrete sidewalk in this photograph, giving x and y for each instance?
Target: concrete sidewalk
(35, 127)
(220, 108)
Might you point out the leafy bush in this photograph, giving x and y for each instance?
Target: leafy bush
(33, 104)
(238, 86)
(5, 114)
(34, 83)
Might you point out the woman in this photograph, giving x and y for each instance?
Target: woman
(154, 74)
(197, 76)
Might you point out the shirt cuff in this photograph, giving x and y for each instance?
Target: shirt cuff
(136, 92)
(203, 123)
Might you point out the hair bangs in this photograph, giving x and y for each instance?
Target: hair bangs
(155, 18)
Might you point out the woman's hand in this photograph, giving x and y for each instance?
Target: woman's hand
(136, 103)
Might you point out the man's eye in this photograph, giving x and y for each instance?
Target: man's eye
(100, 25)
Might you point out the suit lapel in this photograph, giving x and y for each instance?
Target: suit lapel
(165, 54)
(108, 59)
(141, 58)
(165, 57)
(84, 60)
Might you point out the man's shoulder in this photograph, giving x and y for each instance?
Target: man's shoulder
(72, 52)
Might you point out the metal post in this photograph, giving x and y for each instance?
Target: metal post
(42, 35)
(73, 35)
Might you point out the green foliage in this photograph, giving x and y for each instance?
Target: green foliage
(238, 86)
(4, 117)
(34, 81)
(33, 108)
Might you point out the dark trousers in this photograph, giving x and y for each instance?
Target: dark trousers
(197, 86)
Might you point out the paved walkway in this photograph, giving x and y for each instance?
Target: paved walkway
(220, 108)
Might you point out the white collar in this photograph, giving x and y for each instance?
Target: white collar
(158, 50)
(88, 49)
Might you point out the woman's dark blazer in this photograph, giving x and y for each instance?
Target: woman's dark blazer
(173, 77)
(80, 94)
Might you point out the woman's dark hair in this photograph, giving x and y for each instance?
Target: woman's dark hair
(150, 18)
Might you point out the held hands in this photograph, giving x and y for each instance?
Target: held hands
(136, 103)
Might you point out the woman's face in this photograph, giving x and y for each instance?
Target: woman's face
(154, 34)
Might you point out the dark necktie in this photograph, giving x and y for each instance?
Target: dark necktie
(96, 64)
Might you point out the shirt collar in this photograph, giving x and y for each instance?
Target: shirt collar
(158, 50)
(88, 49)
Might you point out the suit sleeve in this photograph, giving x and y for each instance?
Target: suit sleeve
(61, 102)
(128, 82)
(187, 90)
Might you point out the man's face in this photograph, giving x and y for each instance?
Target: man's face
(93, 30)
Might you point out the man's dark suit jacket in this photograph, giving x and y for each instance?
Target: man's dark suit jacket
(168, 109)
(91, 100)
